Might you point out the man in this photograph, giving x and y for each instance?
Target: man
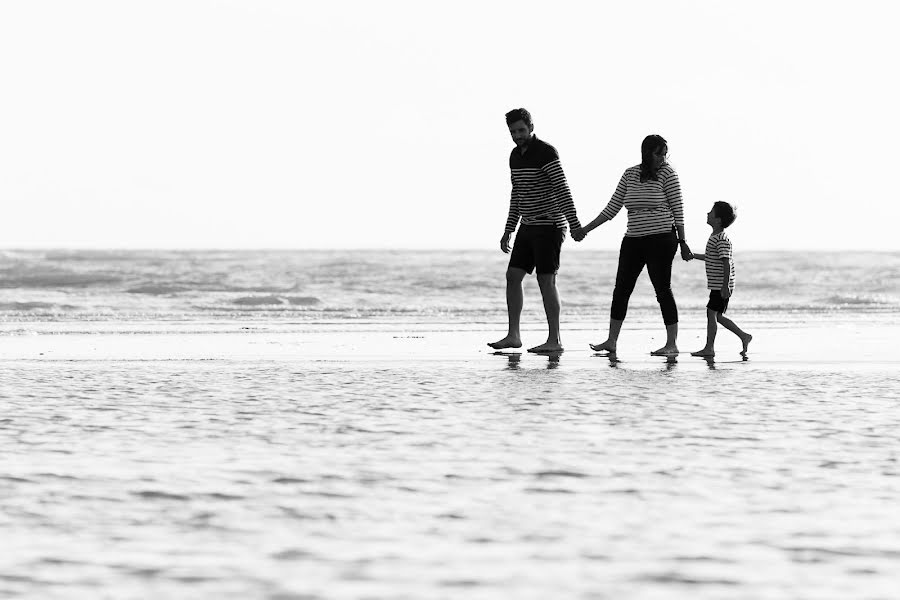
(541, 198)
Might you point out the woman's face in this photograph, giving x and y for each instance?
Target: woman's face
(659, 156)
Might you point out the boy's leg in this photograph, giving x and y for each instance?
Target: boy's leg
(711, 328)
(631, 263)
(550, 295)
(514, 301)
(730, 326)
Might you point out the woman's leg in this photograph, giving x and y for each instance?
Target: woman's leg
(631, 263)
(659, 266)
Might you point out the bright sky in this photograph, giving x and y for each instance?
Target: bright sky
(355, 124)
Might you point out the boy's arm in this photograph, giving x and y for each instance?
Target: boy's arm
(699, 256)
(726, 280)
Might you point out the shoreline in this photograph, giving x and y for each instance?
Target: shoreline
(837, 343)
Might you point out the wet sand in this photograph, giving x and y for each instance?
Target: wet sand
(385, 460)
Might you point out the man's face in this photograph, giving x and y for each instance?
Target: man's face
(520, 132)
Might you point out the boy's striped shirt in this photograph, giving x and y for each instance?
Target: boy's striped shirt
(540, 193)
(718, 246)
(653, 206)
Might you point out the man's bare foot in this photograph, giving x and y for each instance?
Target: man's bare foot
(705, 352)
(507, 342)
(607, 346)
(666, 351)
(746, 342)
(547, 347)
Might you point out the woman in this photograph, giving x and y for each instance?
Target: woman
(651, 193)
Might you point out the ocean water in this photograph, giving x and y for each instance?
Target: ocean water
(318, 425)
(452, 286)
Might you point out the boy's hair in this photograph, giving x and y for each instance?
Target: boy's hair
(724, 211)
(519, 114)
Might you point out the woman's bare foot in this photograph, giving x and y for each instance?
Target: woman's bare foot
(607, 346)
(547, 347)
(746, 342)
(666, 351)
(705, 352)
(507, 342)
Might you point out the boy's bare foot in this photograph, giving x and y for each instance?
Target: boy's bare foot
(607, 346)
(666, 351)
(507, 342)
(705, 352)
(746, 342)
(547, 347)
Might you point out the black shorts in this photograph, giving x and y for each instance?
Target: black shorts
(537, 246)
(716, 302)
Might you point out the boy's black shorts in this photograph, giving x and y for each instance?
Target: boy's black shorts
(716, 302)
(537, 246)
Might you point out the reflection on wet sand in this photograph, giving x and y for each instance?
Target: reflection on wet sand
(515, 358)
(613, 359)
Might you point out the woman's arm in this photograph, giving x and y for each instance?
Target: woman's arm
(613, 207)
(672, 191)
(600, 220)
(686, 253)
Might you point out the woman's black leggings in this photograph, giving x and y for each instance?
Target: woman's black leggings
(657, 252)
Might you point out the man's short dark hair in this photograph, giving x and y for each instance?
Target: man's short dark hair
(519, 114)
(724, 211)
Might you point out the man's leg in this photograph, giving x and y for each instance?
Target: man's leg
(514, 301)
(550, 294)
(711, 328)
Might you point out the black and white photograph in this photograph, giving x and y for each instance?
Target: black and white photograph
(477, 300)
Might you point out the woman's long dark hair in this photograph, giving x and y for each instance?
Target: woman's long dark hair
(648, 146)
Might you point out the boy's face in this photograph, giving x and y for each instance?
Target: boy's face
(712, 220)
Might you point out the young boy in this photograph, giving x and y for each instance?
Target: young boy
(719, 278)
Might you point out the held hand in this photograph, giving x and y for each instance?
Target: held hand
(578, 234)
(686, 253)
(504, 242)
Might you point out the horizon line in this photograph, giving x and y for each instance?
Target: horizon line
(362, 249)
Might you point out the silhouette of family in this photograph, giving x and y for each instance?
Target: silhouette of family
(541, 206)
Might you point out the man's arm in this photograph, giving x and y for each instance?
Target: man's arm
(512, 219)
(562, 193)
